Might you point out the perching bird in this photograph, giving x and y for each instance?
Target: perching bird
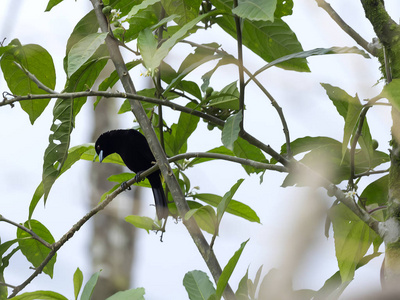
(134, 150)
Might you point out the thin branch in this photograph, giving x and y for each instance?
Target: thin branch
(69, 234)
(240, 64)
(248, 137)
(345, 27)
(368, 173)
(29, 231)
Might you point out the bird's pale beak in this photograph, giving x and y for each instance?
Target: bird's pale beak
(101, 156)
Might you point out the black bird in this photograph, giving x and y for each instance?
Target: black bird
(134, 150)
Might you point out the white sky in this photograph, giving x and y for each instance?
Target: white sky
(160, 267)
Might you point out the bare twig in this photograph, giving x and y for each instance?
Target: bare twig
(346, 28)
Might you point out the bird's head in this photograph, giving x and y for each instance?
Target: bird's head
(103, 146)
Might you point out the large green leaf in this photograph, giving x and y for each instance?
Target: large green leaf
(38, 62)
(89, 286)
(83, 50)
(52, 3)
(230, 132)
(269, 40)
(226, 199)
(187, 10)
(34, 251)
(198, 285)
(191, 62)
(144, 18)
(391, 91)
(244, 149)
(78, 280)
(145, 223)
(57, 150)
(325, 157)
(227, 98)
(132, 294)
(64, 113)
(152, 56)
(228, 270)
(256, 10)
(87, 25)
(43, 295)
(352, 239)
(234, 207)
(350, 108)
(205, 217)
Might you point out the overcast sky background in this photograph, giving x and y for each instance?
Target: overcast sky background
(160, 267)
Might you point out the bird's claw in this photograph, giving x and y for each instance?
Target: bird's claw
(137, 176)
(125, 186)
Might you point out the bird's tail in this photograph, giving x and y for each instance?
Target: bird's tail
(161, 202)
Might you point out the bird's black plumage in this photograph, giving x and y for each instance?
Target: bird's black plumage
(134, 150)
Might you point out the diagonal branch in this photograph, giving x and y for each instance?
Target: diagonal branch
(346, 28)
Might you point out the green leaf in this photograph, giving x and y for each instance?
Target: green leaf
(145, 223)
(83, 50)
(228, 270)
(133, 294)
(221, 208)
(198, 285)
(57, 150)
(190, 63)
(230, 132)
(152, 56)
(242, 292)
(89, 286)
(187, 10)
(43, 295)
(145, 18)
(325, 158)
(205, 218)
(78, 280)
(391, 91)
(64, 113)
(38, 62)
(227, 98)
(269, 40)
(376, 192)
(234, 207)
(352, 239)
(74, 154)
(350, 108)
(313, 52)
(34, 251)
(52, 3)
(87, 25)
(244, 149)
(256, 10)
(187, 124)
(283, 8)
(137, 8)
(252, 286)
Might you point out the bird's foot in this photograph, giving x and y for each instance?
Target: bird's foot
(137, 176)
(125, 186)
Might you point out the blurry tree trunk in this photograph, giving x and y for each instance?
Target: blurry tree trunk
(113, 239)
